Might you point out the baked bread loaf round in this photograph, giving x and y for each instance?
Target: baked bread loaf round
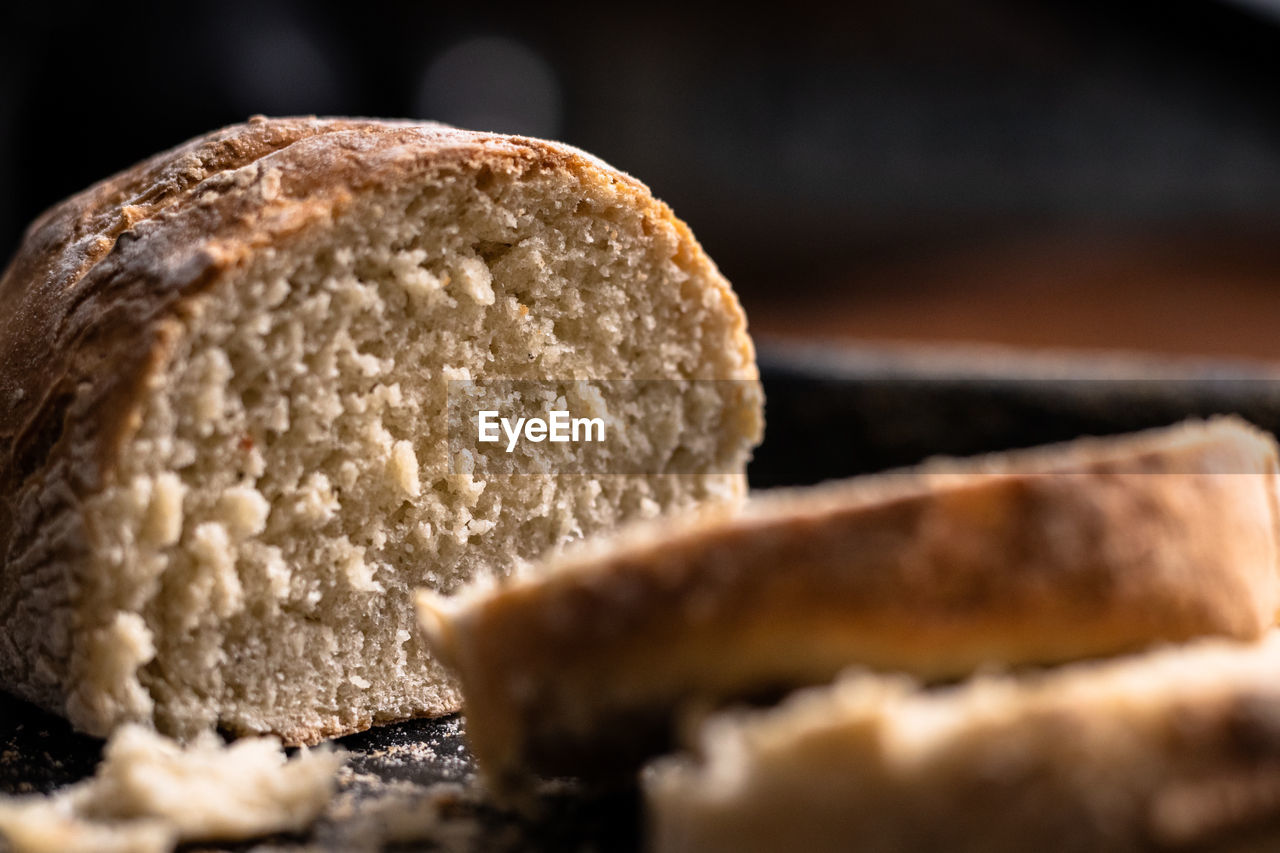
(1175, 749)
(1090, 548)
(224, 444)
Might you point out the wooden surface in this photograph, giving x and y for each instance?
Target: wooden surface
(1185, 290)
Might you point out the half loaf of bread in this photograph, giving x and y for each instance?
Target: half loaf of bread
(1090, 548)
(224, 450)
(1176, 749)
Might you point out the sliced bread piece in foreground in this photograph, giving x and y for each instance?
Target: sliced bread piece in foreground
(1175, 749)
(228, 450)
(1089, 548)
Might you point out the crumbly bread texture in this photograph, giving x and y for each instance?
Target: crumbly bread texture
(1174, 749)
(223, 453)
(1090, 548)
(150, 794)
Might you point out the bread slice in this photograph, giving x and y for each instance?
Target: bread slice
(1175, 749)
(1089, 548)
(225, 456)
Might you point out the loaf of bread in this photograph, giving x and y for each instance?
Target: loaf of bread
(1090, 548)
(225, 459)
(1175, 749)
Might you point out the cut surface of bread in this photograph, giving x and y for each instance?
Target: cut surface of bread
(1090, 548)
(1173, 749)
(224, 451)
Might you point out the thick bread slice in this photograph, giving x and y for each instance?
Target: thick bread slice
(1176, 749)
(224, 438)
(1089, 548)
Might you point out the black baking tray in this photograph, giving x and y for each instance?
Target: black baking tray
(831, 412)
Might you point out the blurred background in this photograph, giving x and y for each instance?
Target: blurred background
(1071, 174)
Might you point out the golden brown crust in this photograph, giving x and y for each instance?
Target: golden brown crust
(1070, 552)
(95, 294)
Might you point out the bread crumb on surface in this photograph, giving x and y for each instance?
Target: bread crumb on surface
(151, 793)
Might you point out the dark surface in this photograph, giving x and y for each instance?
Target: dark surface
(830, 413)
(39, 752)
(840, 412)
(795, 144)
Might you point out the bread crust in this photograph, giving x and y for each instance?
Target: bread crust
(93, 303)
(1086, 549)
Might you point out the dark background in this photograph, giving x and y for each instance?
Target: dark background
(1049, 173)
